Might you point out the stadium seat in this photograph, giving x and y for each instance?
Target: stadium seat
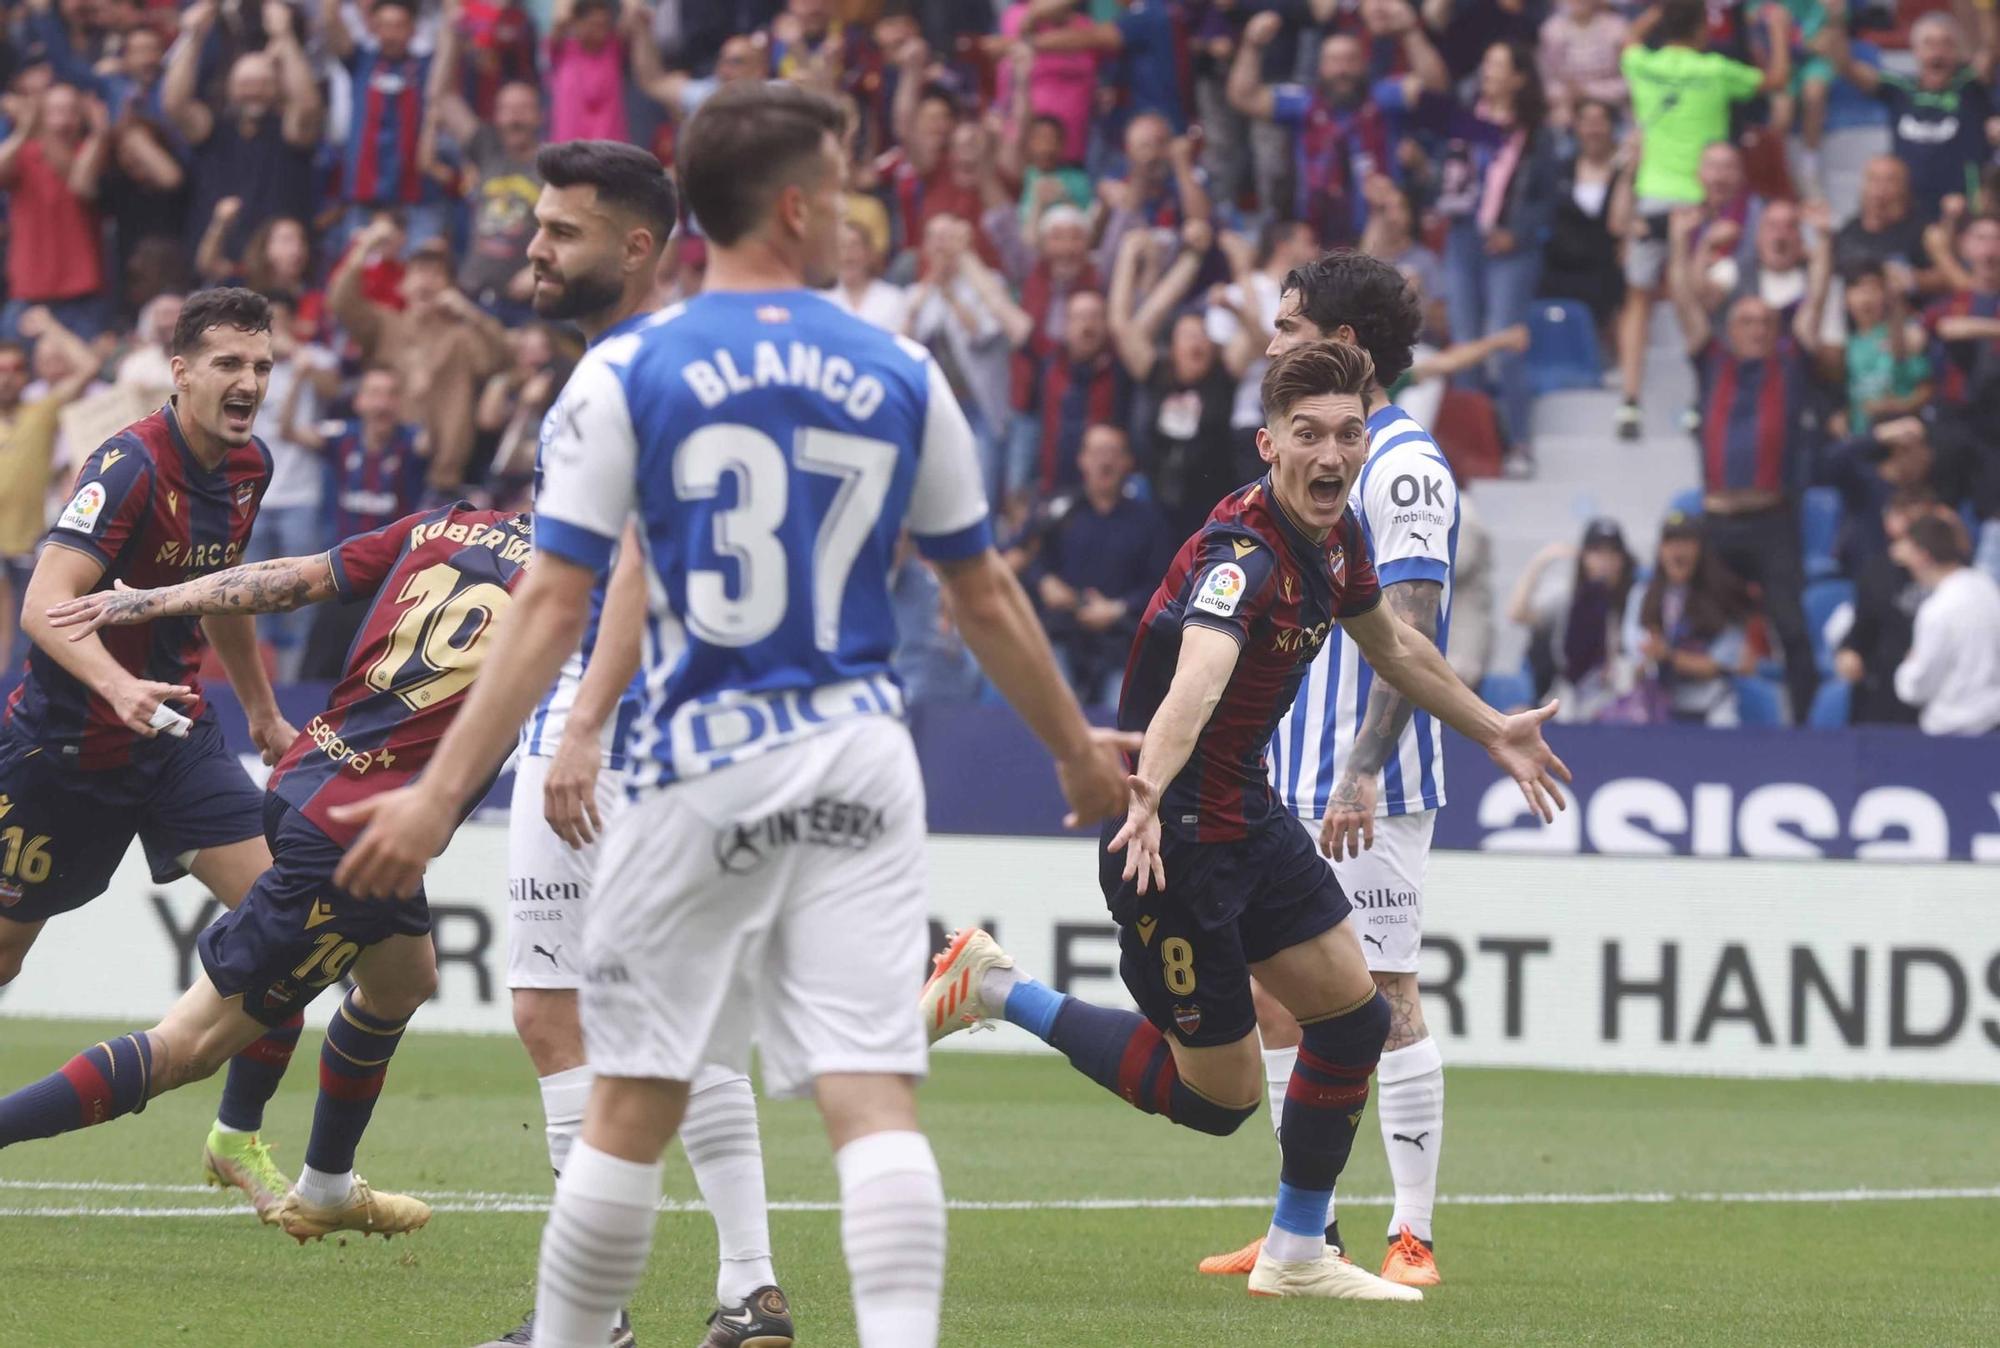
(1830, 705)
(1508, 692)
(1562, 351)
(1759, 701)
(1819, 527)
(1686, 503)
(1468, 431)
(1822, 597)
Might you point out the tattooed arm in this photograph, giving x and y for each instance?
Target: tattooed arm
(276, 586)
(1349, 826)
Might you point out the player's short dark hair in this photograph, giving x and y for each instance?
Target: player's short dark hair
(1682, 20)
(1367, 295)
(1939, 539)
(1313, 371)
(220, 307)
(625, 176)
(746, 142)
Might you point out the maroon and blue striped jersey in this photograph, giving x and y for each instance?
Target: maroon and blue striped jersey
(440, 579)
(1254, 574)
(147, 509)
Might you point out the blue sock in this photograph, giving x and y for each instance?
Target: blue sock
(1034, 1006)
(254, 1075)
(1302, 1211)
(96, 1086)
(352, 1064)
(1124, 1053)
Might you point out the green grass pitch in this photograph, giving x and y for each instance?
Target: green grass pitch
(83, 1265)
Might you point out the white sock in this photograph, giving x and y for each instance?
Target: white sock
(324, 1190)
(1278, 1064)
(595, 1246)
(720, 1135)
(892, 1227)
(995, 984)
(1409, 1101)
(1291, 1248)
(564, 1095)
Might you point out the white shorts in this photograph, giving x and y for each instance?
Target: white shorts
(1386, 886)
(781, 900)
(548, 882)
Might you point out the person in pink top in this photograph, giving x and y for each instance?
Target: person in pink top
(586, 73)
(1061, 84)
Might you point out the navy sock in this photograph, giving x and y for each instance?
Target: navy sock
(1122, 1052)
(254, 1075)
(1329, 1093)
(96, 1086)
(352, 1064)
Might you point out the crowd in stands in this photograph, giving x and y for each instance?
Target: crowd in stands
(1085, 209)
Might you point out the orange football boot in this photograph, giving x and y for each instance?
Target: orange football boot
(1237, 1262)
(1410, 1262)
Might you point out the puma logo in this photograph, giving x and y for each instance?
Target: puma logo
(1375, 941)
(1417, 1141)
(550, 954)
(1424, 539)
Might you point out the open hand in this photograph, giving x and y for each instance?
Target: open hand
(1139, 839)
(1094, 782)
(1520, 752)
(403, 830)
(1349, 827)
(569, 792)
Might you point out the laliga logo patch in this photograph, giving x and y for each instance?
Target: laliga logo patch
(1187, 1018)
(1221, 590)
(83, 509)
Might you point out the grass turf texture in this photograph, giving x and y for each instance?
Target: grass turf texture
(461, 1114)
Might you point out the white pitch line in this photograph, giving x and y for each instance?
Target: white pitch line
(457, 1201)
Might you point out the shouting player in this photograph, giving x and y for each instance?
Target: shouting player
(1217, 882)
(439, 581)
(84, 765)
(604, 216)
(766, 881)
(1354, 750)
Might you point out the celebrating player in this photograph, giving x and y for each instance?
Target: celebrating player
(604, 217)
(767, 880)
(1209, 879)
(84, 766)
(439, 582)
(1354, 755)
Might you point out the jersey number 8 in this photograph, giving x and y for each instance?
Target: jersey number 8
(748, 531)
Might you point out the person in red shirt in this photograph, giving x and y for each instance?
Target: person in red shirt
(50, 167)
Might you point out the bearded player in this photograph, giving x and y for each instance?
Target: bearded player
(1210, 879)
(110, 737)
(436, 583)
(1354, 753)
(602, 222)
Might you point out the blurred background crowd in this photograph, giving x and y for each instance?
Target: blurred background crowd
(1713, 290)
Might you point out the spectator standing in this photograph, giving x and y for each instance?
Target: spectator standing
(859, 287)
(1260, 273)
(1952, 673)
(383, 164)
(1058, 267)
(1689, 631)
(1579, 58)
(442, 343)
(586, 73)
(1102, 553)
(1887, 232)
(1578, 647)
(1082, 384)
(1471, 637)
(1581, 260)
(1882, 364)
(1682, 95)
(1057, 85)
(1753, 380)
(962, 312)
(1161, 187)
(28, 431)
(498, 46)
(1939, 120)
(51, 165)
(513, 402)
(1885, 610)
(498, 180)
(1144, 48)
(1965, 325)
(290, 519)
(258, 150)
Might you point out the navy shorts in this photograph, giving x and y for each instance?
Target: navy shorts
(1186, 951)
(176, 796)
(295, 933)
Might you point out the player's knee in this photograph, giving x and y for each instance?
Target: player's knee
(1199, 1112)
(1353, 1039)
(546, 1021)
(400, 1001)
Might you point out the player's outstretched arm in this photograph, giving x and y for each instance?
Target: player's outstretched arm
(1201, 674)
(1000, 627)
(1418, 668)
(407, 827)
(276, 586)
(569, 791)
(62, 574)
(1349, 826)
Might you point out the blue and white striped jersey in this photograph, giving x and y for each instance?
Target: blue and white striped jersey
(772, 448)
(1407, 503)
(543, 732)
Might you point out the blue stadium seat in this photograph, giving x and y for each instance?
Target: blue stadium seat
(1830, 705)
(1759, 701)
(1822, 597)
(1562, 347)
(1508, 692)
(1686, 503)
(1819, 526)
